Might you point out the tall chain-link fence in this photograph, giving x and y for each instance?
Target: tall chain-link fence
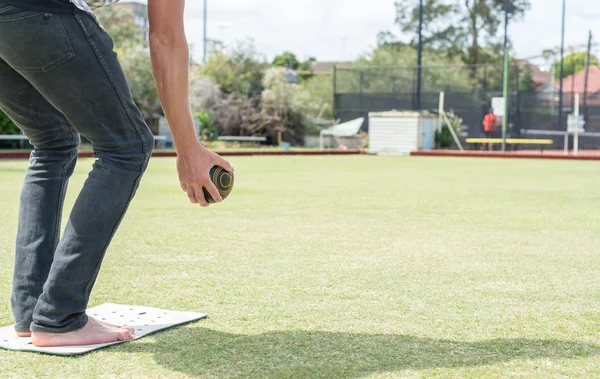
(468, 93)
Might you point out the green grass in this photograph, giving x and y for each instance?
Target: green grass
(349, 267)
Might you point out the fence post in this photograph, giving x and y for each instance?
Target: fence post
(485, 106)
(335, 105)
(413, 101)
(517, 118)
(585, 81)
(573, 84)
(576, 114)
(362, 86)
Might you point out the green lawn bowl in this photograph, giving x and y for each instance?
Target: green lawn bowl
(223, 180)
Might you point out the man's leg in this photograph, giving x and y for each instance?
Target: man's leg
(88, 86)
(51, 164)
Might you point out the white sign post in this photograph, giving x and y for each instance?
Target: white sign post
(575, 125)
(498, 106)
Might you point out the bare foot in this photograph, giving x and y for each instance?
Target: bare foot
(28, 334)
(94, 332)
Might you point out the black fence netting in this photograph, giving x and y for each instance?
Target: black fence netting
(468, 92)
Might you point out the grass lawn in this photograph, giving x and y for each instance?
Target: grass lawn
(348, 267)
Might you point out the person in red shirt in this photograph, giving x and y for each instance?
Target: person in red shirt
(489, 125)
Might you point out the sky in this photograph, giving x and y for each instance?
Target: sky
(345, 29)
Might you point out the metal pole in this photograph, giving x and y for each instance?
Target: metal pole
(576, 114)
(484, 95)
(362, 87)
(506, 68)
(553, 76)
(420, 56)
(517, 121)
(441, 111)
(573, 68)
(562, 66)
(335, 105)
(585, 82)
(205, 35)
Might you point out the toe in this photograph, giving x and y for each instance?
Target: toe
(123, 336)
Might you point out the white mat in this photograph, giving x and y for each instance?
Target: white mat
(145, 320)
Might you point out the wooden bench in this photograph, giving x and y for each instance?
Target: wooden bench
(242, 139)
(512, 141)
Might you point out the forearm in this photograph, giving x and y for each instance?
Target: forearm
(170, 63)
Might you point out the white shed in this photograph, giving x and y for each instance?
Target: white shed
(400, 133)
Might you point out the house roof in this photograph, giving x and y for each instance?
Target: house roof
(575, 83)
(539, 76)
(322, 67)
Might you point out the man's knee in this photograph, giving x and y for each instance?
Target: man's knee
(131, 154)
(61, 138)
(54, 147)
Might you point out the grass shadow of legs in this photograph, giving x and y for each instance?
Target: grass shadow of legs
(198, 351)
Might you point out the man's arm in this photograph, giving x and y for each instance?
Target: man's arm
(170, 63)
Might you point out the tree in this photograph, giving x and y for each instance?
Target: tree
(290, 61)
(526, 83)
(439, 31)
(134, 57)
(574, 63)
(238, 70)
(287, 60)
(385, 78)
(6, 125)
(468, 28)
(118, 22)
(137, 66)
(288, 103)
(320, 89)
(204, 93)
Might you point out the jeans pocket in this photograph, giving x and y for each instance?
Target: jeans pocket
(32, 40)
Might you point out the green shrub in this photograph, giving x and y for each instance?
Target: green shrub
(444, 138)
(205, 118)
(6, 125)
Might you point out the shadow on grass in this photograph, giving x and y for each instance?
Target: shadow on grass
(197, 351)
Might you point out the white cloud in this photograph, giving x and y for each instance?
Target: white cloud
(320, 27)
(542, 25)
(308, 28)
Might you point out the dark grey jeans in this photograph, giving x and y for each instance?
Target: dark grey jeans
(59, 78)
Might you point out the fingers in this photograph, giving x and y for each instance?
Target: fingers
(223, 163)
(214, 192)
(200, 199)
(196, 196)
(191, 195)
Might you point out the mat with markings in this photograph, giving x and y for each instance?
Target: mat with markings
(145, 320)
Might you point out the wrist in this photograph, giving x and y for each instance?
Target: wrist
(184, 135)
(187, 147)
